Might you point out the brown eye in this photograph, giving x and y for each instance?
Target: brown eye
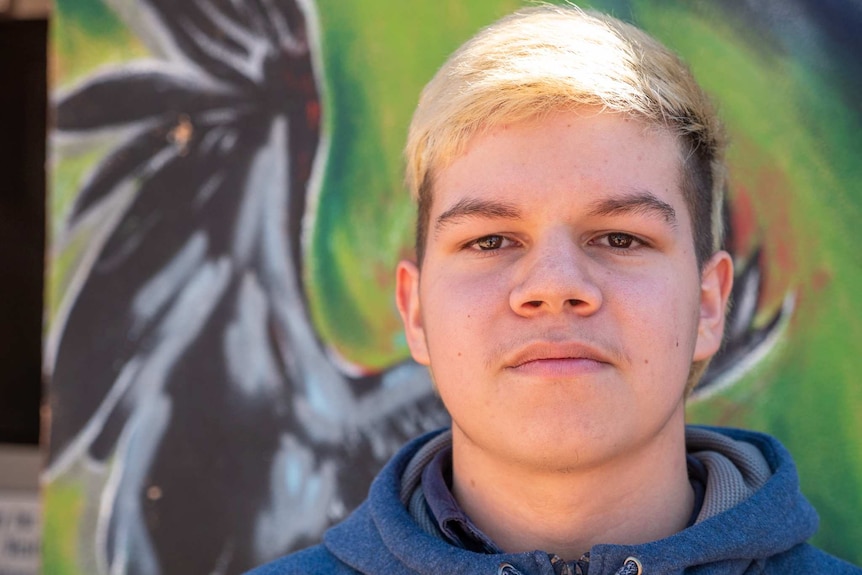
(620, 240)
(489, 243)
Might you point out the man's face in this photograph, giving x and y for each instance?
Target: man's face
(559, 305)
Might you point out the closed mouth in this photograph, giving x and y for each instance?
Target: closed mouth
(556, 352)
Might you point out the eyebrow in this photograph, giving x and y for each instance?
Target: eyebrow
(643, 202)
(477, 208)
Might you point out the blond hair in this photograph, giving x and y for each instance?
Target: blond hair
(552, 58)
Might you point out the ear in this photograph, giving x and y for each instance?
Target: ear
(715, 284)
(407, 300)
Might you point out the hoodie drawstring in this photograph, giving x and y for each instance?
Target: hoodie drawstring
(631, 567)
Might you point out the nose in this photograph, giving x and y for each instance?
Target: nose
(555, 277)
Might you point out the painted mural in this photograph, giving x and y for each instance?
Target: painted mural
(226, 366)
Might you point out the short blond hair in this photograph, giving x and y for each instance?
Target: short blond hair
(551, 58)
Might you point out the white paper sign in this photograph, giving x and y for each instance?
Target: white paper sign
(20, 533)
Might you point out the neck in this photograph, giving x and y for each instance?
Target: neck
(634, 498)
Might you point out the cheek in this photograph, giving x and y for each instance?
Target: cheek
(660, 315)
(466, 324)
(458, 314)
(469, 295)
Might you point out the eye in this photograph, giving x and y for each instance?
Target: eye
(488, 243)
(620, 240)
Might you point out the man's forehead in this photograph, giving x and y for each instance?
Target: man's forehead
(613, 164)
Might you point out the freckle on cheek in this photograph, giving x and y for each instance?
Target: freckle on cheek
(646, 361)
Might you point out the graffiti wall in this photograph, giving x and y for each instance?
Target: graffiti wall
(227, 370)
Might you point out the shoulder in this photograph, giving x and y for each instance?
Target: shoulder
(806, 558)
(309, 561)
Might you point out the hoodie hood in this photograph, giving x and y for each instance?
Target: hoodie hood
(753, 511)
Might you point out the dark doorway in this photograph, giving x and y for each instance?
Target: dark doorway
(23, 103)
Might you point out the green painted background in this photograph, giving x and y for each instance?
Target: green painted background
(795, 190)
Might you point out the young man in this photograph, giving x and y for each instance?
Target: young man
(568, 291)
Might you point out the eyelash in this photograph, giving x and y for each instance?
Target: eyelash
(475, 243)
(633, 242)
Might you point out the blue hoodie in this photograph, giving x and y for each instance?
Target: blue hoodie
(754, 521)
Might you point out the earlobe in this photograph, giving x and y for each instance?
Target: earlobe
(715, 286)
(407, 300)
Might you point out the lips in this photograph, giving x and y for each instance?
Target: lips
(557, 355)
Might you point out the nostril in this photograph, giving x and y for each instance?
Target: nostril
(534, 303)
